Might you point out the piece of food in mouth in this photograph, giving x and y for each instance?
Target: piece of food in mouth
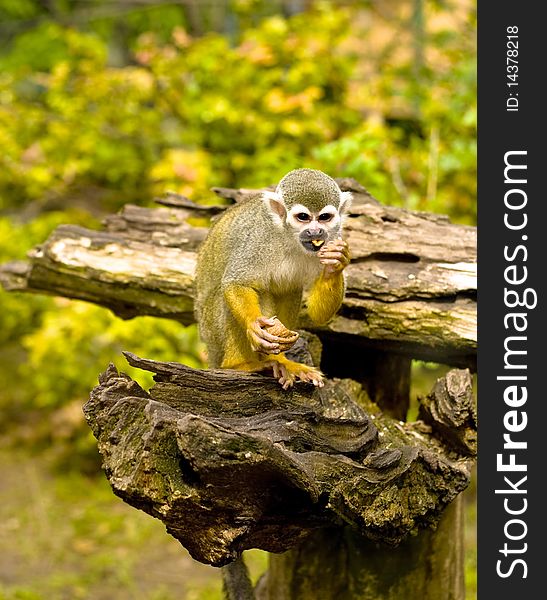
(318, 243)
(278, 329)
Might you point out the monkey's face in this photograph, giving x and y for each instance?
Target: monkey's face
(310, 209)
(313, 229)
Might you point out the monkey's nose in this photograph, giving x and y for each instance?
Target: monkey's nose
(314, 233)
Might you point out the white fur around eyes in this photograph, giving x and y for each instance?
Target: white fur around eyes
(297, 209)
(300, 208)
(276, 207)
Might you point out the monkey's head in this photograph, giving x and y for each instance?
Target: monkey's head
(309, 204)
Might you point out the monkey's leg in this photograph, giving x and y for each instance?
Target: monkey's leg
(244, 305)
(237, 351)
(249, 348)
(284, 370)
(236, 581)
(241, 357)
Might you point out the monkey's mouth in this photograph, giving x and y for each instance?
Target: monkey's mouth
(313, 245)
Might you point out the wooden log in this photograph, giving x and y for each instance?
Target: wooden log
(129, 277)
(411, 284)
(230, 461)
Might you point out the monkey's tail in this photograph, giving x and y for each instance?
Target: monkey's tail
(236, 583)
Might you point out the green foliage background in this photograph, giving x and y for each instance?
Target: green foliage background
(105, 102)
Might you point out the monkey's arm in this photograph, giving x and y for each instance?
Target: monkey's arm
(243, 302)
(327, 292)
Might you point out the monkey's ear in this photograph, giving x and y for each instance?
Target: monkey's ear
(345, 202)
(275, 205)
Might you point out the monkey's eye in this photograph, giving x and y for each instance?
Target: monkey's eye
(303, 217)
(324, 217)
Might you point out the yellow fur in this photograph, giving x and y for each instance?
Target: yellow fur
(255, 264)
(243, 303)
(325, 297)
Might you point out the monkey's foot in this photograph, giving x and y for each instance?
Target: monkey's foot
(284, 370)
(288, 371)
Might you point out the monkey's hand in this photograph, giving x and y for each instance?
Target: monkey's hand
(261, 334)
(335, 257)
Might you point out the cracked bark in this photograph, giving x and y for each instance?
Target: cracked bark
(229, 461)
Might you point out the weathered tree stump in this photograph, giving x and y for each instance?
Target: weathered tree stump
(230, 461)
(338, 563)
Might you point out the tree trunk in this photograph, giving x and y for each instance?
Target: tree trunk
(339, 564)
(384, 375)
(230, 461)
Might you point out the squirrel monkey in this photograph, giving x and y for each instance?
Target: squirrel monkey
(254, 265)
